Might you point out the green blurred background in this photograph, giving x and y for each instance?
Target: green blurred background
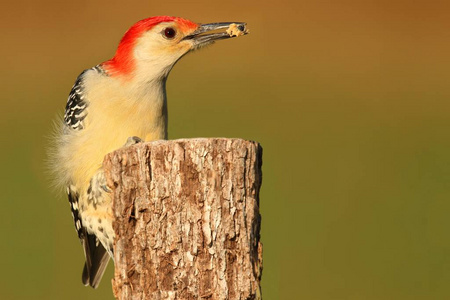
(349, 99)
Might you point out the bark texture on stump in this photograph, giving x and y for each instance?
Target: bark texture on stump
(187, 219)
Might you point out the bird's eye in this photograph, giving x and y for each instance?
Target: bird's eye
(169, 33)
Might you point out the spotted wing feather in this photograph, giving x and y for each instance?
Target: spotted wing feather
(76, 105)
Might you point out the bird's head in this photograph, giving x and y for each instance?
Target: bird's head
(155, 44)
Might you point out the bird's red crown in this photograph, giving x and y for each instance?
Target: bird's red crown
(123, 62)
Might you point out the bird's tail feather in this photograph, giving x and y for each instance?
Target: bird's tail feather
(97, 259)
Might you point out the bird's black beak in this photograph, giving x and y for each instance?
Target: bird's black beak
(207, 33)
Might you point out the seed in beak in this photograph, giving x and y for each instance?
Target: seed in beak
(236, 30)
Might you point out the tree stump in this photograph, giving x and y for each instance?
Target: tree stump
(187, 219)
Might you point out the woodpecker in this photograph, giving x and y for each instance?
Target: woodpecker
(119, 102)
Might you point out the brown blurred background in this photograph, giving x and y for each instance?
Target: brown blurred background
(350, 100)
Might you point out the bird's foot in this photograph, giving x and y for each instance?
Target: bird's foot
(132, 140)
(97, 186)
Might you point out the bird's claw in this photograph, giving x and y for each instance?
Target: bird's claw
(132, 140)
(106, 188)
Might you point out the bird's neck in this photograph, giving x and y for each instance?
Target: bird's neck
(146, 87)
(153, 107)
(151, 83)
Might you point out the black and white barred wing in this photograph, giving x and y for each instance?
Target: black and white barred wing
(76, 105)
(96, 256)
